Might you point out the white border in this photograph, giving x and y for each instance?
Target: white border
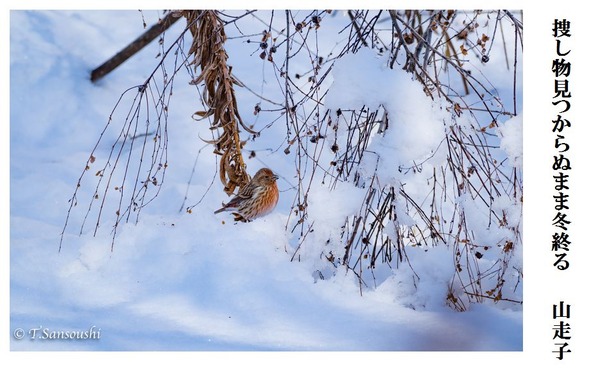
(370, 370)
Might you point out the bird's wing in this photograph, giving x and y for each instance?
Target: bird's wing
(246, 192)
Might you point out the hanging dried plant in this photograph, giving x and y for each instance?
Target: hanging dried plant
(218, 95)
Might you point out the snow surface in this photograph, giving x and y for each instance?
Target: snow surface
(179, 281)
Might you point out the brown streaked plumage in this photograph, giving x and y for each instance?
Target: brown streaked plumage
(256, 199)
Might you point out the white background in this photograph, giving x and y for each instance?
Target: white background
(544, 287)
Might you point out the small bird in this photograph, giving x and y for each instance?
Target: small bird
(256, 199)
